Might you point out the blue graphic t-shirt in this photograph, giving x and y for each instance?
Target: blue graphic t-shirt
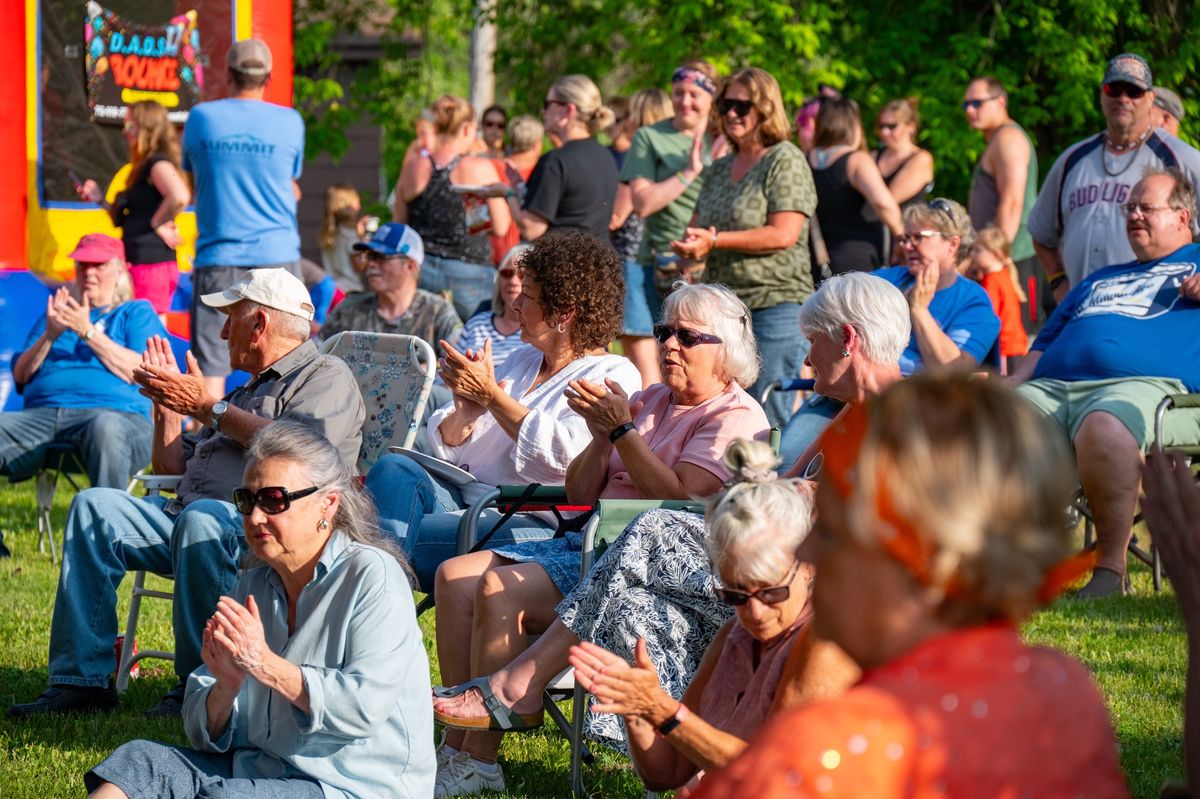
(962, 310)
(243, 155)
(1126, 321)
(73, 377)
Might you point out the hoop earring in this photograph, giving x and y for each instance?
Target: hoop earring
(561, 328)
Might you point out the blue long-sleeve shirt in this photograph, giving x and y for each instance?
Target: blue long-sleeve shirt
(369, 732)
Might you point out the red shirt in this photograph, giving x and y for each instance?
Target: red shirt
(973, 713)
(1003, 293)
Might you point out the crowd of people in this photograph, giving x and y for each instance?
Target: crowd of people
(840, 619)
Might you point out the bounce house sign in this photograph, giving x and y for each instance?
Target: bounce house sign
(127, 63)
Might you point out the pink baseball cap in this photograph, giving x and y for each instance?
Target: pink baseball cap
(97, 248)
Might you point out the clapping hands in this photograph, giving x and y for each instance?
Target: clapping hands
(64, 312)
(234, 644)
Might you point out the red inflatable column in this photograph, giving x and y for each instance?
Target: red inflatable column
(14, 166)
(272, 22)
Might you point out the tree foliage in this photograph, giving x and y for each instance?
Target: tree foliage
(1049, 53)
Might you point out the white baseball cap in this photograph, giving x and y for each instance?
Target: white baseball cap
(274, 288)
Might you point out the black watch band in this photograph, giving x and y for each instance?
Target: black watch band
(620, 431)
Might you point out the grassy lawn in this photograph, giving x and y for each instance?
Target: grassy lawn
(1134, 645)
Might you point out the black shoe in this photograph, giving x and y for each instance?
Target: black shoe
(170, 706)
(67, 699)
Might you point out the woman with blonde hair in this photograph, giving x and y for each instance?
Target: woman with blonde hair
(849, 187)
(573, 186)
(940, 510)
(750, 224)
(907, 169)
(339, 232)
(155, 191)
(453, 225)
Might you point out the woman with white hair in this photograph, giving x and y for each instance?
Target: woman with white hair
(664, 442)
(314, 673)
(857, 326)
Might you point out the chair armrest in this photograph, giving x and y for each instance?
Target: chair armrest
(1183, 400)
(157, 483)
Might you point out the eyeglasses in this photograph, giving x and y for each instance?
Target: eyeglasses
(768, 596)
(1143, 209)
(493, 124)
(272, 499)
(888, 125)
(740, 108)
(1119, 88)
(976, 104)
(550, 102)
(687, 338)
(913, 239)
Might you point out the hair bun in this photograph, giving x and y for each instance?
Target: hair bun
(751, 461)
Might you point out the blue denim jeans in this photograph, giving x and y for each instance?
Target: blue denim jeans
(422, 513)
(110, 532)
(805, 427)
(114, 444)
(783, 350)
(160, 771)
(469, 284)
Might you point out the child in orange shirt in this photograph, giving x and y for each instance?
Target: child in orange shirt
(992, 266)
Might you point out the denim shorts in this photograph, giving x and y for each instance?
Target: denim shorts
(641, 310)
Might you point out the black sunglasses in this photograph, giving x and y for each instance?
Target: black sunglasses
(686, 337)
(1119, 88)
(740, 108)
(768, 596)
(272, 499)
(549, 103)
(976, 104)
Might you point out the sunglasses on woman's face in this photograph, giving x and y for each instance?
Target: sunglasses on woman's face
(686, 337)
(740, 108)
(768, 596)
(272, 499)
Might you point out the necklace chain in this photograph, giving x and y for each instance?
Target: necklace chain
(1122, 148)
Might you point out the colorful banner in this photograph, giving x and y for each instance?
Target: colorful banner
(128, 63)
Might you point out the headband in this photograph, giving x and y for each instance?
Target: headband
(841, 444)
(697, 77)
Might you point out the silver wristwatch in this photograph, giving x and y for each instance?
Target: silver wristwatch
(218, 410)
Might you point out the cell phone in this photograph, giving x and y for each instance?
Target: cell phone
(75, 178)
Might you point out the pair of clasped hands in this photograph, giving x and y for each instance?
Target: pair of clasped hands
(471, 377)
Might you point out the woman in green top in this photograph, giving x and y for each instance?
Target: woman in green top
(662, 169)
(750, 226)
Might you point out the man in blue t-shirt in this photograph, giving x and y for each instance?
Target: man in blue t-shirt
(76, 373)
(244, 155)
(1121, 340)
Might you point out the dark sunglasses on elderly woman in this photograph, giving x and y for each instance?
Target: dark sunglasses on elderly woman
(272, 499)
(768, 596)
(740, 108)
(686, 337)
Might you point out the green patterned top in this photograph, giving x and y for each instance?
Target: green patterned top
(780, 181)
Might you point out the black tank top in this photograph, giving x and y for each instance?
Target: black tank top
(852, 241)
(136, 206)
(440, 216)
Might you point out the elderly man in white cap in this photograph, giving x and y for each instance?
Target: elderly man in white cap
(244, 156)
(197, 536)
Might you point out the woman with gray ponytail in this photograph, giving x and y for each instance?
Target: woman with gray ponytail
(756, 566)
(573, 186)
(315, 680)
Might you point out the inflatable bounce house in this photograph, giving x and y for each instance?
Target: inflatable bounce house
(66, 77)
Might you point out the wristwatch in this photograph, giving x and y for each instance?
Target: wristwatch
(218, 410)
(90, 334)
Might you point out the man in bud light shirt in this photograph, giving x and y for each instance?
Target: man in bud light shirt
(244, 156)
(1122, 339)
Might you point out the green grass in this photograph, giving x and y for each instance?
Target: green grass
(1134, 645)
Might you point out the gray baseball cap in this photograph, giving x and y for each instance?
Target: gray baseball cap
(1129, 68)
(249, 57)
(1168, 101)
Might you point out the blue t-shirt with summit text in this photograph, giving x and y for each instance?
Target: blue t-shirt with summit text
(963, 311)
(1126, 321)
(243, 156)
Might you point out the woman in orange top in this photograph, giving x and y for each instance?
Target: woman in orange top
(939, 530)
(992, 266)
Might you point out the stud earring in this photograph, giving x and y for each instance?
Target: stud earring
(845, 352)
(323, 525)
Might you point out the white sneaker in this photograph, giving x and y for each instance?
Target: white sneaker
(463, 775)
(443, 753)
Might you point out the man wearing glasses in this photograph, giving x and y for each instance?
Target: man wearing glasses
(196, 537)
(1076, 222)
(1121, 340)
(1004, 183)
(392, 302)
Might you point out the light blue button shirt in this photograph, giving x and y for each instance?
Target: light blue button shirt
(369, 732)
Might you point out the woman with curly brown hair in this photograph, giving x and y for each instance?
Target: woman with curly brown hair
(512, 425)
